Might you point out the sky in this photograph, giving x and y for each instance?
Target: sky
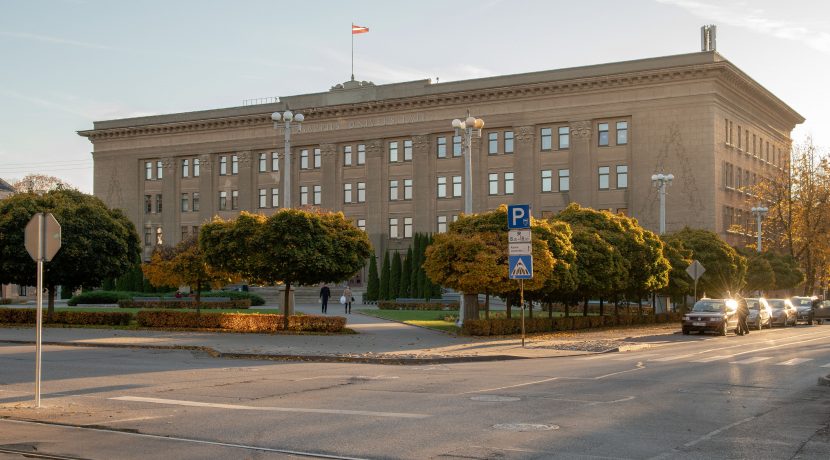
(67, 63)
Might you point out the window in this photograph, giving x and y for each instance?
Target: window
(564, 180)
(263, 198)
(195, 167)
(407, 189)
(275, 198)
(148, 170)
(159, 170)
(195, 201)
(184, 233)
(545, 137)
(442, 147)
(442, 224)
(547, 180)
(361, 192)
(393, 190)
(604, 172)
(407, 150)
(185, 202)
(347, 193)
(148, 236)
(361, 154)
(234, 199)
(754, 144)
(318, 159)
(223, 201)
(318, 194)
(739, 137)
(407, 227)
(275, 161)
(456, 146)
(746, 140)
(361, 224)
(442, 187)
(393, 228)
(493, 182)
(158, 204)
(234, 165)
(564, 138)
(223, 165)
(622, 176)
(195, 229)
(347, 155)
(263, 162)
(456, 186)
(493, 143)
(304, 159)
(602, 134)
(622, 132)
(393, 151)
(185, 168)
(148, 204)
(508, 183)
(159, 236)
(508, 142)
(303, 195)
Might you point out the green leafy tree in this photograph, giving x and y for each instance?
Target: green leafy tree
(787, 273)
(680, 283)
(97, 242)
(395, 277)
(406, 274)
(385, 275)
(373, 284)
(725, 268)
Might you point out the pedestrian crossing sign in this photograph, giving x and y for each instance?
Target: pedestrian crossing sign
(521, 267)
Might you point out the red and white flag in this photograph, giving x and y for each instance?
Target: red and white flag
(359, 29)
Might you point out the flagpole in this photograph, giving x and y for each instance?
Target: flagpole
(352, 32)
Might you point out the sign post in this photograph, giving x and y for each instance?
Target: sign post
(42, 241)
(520, 255)
(695, 270)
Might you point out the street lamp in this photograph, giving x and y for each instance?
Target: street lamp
(759, 212)
(661, 181)
(465, 130)
(287, 117)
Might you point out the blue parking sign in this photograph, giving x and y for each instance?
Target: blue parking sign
(518, 216)
(521, 267)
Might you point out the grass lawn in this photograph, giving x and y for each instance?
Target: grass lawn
(136, 310)
(429, 319)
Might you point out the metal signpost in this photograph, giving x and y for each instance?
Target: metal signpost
(695, 270)
(520, 256)
(42, 241)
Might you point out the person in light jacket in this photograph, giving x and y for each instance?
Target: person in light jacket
(347, 294)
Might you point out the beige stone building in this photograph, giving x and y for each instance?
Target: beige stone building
(387, 157)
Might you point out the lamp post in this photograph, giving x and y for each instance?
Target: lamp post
(287, 117)
(759, 212)
(660, 181)
(465, 130)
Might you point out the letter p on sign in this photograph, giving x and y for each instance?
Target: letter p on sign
(518, 216)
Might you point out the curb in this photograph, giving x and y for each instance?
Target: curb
(824, 381)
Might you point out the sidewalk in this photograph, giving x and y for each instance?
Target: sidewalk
(376, 341)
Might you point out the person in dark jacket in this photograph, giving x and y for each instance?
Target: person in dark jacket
(325, 293)
(743, 313)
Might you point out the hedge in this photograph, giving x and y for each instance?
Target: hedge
(509, 326)
(99, 297)
(6, 301)
(256, 300)
(240, 322)
(29, 316)
(390, 305)
(240, 304)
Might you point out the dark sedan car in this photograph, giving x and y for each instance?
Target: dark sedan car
(783, 312)
(805, 307)
(713, 315)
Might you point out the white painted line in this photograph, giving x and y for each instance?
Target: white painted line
(135, 419)
(826, 365)
(511, 386)
(640, 366)
(709, 435)
(794, 361)
(751, 360)
(713, 358)
(636, 356)
(175, 402)
(716, 358)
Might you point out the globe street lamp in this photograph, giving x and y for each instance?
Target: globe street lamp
(465, 130)
(759, 212)
(661, 181)
(287, 117)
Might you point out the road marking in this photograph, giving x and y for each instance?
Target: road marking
(640, 366)
(176, 402)
(511, 386)
(826, 365)
(751, 360)
(135, 419)
(712, 358)
(716, 358)
(711, 434)
(794, 361)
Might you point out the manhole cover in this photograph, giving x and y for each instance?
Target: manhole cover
(495, 398)
(525, 427)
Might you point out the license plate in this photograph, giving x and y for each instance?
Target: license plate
(698, 324)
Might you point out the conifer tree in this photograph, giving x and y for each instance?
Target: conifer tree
(406, 275)
(385, 274)
(416, 264)
(395, 277)
(373, 284)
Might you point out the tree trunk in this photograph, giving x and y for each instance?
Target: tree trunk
(508, 302)
(470, 306)
(640, 306)
(285, 306)
(585, 307)
(487, 305)
(50, 301)
(601, 306)
(567, 308)
(198, 299)
(529, 308)
(550, 309)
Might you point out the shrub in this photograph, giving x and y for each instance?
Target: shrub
(509, 326)
(239, 322)
(256, 300)
(5, 301)
(29, 316)
(99, 297)
(391, 305)
(227, 305)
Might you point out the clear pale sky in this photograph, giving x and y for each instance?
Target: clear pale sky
(67, 63)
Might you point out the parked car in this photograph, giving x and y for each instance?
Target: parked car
(805, 307)
(821, 314)
(783, 312)
(713, 315)
(760, 313)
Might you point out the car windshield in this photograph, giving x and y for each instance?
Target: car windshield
(711, 306)
(753, 304)
(802, 301)
(776, 303)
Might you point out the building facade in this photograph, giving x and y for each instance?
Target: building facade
(387, 157)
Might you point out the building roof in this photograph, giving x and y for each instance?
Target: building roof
(6, 187)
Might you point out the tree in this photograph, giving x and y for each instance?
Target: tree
(680, 283)
(416, 281)
(406, 274)
(292, 246)
(385, 274)
(40, 183)
(725, 268)
(97, 242)
(373, 284)
(395, 277)
(785, 268)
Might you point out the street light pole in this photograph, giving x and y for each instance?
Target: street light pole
(287, 117)
(661, 181)
(759, 212)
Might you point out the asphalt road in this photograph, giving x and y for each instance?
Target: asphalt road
(693, 397)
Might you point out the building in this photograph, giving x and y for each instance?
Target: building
(5, 189)
(387, 157)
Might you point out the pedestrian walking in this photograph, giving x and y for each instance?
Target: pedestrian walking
(347, 296)
(743, 313)
(325, 293)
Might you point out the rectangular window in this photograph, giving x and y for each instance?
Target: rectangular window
(442, 224)
(275, 198)
(234, 199)
(393, 152)
(184, 233)
(622, 132)
(223, 165)
(545, 138)
(159, 170)
(158, 204)
(456, 186)
(234, 165)
(604, 172)
(754, 144)
(361, 224)
(564, 138)
(456, 146)
(547, 180)
(622, 176)
(185, 202)
(393, 190)
(746, 140)
(347, 155)
(393, 228)
(361, 154)
(275, 161)
(185, 168)
(442, 147)
(304, 195)
(508, 183)
(195, 167)
(564, 180)
(148, 238)
(318, 194)
(304, 159)
(223, 201)
(602, 134)
(148, 204)
(739, 137)
(407, 227)
(263, 198)
(407, 189)
(508, 142)
(361, 192)
(347, 193)
(148, 170)
(407, 150)
(263, 162)
(195, 201)
(492, 143)
(318, 159)
(493, 182)
(442, 187)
